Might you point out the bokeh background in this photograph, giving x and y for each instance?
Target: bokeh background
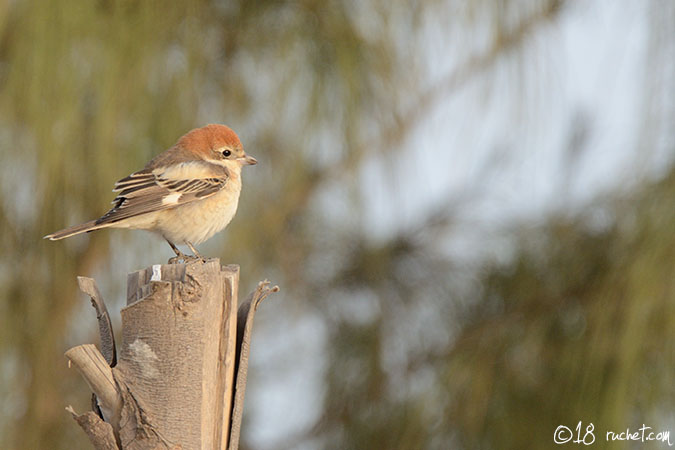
(469, 207)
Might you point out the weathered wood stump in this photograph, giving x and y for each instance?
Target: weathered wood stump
(180, 378)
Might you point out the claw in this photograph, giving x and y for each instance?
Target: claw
(185, 259)
(180, 256)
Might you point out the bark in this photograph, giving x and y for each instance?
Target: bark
(173, 384)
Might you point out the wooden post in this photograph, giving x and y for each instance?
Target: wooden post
(173, 384)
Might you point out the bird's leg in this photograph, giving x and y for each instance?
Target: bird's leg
(194, 250)
(179, 255)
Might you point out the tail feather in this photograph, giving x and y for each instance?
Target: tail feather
(76, 229)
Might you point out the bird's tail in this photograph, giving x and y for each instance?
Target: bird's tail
(76, 229)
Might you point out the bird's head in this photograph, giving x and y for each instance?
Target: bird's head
(217, 144)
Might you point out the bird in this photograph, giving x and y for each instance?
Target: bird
(186, 194)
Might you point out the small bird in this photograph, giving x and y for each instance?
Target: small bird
(186, 194)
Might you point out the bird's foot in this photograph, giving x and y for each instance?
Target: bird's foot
(180, 256)
(183, 258)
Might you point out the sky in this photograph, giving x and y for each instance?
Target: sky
(593, 42)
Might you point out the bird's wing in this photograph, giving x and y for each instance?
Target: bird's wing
(163, 188)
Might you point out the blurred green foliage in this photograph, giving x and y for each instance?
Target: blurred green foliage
(576, 326)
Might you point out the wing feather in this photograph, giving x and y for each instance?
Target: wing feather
(140, 177)
(165, 187)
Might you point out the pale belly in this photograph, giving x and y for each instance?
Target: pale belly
(197, 221)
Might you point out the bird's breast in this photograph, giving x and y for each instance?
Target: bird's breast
(197, 221)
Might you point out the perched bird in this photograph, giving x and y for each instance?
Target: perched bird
(186, 194)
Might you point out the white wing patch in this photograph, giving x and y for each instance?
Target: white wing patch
(172, 198)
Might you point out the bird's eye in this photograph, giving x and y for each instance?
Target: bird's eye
(226, 153)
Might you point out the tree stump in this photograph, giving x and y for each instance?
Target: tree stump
(173, 385)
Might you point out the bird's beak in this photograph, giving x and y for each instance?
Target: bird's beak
(248, 160)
